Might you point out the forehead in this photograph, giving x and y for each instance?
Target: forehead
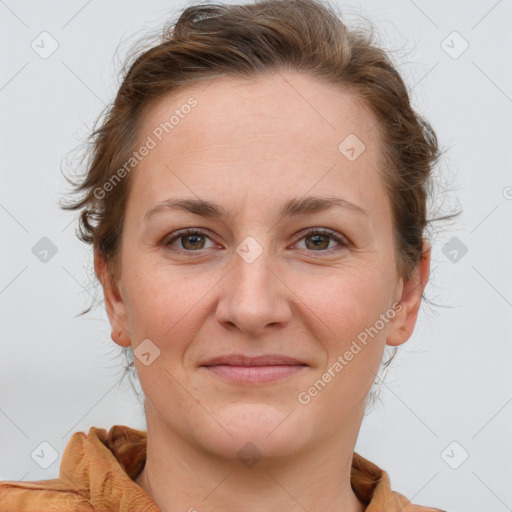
(288, 104)
(279, 133)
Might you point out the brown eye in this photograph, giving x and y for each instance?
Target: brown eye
(191, 242)
(318, 240)
(187, 241)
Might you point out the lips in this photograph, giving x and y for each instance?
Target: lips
(262, 360)
(252, 370)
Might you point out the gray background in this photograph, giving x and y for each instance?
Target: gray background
(451, 382)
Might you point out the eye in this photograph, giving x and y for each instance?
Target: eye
(318, 239)
(189, 240)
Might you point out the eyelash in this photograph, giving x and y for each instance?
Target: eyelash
(314, 231)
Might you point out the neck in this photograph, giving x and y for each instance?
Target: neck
(180, 476)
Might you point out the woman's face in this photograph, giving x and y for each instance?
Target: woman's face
(254, 278)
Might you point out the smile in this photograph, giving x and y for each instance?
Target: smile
(254, 374)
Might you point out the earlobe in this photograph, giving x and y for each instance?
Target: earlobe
(114, 303)
(402, 326)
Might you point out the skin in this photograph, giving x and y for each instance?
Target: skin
(250, 146)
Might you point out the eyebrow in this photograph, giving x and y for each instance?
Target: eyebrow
(294, 207)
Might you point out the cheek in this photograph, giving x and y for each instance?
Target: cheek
(351, 308)
(348, 300)
(354, 308)
(169, 307)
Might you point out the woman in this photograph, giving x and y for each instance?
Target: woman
(256, 202)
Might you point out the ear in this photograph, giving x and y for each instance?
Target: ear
(114, 302)
(409, 295)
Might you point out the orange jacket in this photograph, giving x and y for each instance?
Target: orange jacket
(97, 474)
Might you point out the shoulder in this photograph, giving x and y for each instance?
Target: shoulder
(373, 487)
(91, 464)
(407, 506)
(42, 496)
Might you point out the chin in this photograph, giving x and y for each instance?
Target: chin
(258, 431)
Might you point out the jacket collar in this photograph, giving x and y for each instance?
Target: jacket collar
(104, 465)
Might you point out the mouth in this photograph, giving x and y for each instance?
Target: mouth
(253, 370)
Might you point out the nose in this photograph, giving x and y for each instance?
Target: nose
(253, 298)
